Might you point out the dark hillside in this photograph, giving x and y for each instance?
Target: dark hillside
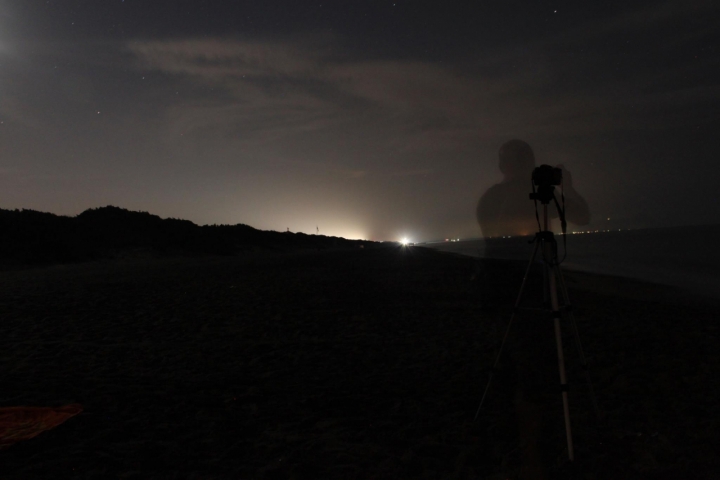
(28, 237)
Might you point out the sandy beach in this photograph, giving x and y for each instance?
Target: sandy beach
(354, 363)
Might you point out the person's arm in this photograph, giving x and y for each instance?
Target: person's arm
(576, 208)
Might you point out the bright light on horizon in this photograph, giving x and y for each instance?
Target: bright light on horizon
(404, 241)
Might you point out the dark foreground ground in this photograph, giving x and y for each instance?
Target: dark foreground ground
(365, 363)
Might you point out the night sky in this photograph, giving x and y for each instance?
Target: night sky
(367, 119)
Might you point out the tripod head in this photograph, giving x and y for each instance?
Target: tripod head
(545, 178)
(544, 194)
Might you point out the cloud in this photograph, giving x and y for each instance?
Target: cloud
(275, 87)
(217, 59)
(420, 172)
(276, 93)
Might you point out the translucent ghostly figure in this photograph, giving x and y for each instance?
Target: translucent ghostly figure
(505, 209)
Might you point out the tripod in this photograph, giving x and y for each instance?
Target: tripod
(553, 281)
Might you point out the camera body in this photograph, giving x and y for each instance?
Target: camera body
(546, 176)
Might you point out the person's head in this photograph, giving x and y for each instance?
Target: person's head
(517, 159)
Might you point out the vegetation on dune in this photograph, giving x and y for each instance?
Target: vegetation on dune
(29, 237)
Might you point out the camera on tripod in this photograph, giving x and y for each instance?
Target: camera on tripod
(546, 176)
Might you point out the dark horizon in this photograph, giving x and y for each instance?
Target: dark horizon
(376, 120)
(479, 237)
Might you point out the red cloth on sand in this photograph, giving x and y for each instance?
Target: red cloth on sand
(24, 423)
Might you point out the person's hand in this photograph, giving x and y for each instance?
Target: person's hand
(567, 177)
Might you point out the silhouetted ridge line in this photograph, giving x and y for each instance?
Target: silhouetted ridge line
(29, 237)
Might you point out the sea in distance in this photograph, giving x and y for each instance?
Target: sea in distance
(685, 257)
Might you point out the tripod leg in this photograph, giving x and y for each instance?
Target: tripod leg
(546, 285)
(578, 343)
(507, 330)
(561, 357)
(527, 272)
